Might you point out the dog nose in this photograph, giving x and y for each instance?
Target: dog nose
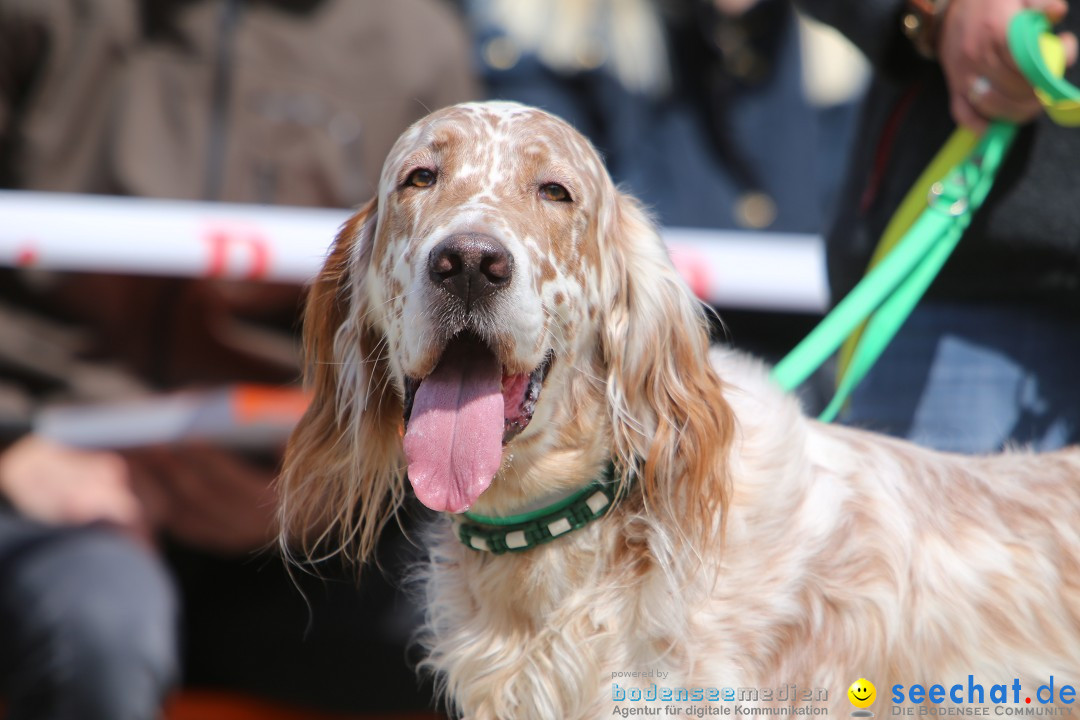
(470, 266)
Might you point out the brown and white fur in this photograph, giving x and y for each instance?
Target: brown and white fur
(757, 548)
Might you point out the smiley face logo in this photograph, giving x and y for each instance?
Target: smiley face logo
(862, 693)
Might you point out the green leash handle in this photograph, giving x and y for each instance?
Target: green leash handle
(897, 283)
(872, 313)
(1041, 59)
(969, 185)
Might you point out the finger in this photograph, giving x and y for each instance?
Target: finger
(1054, 9)
(966, 115)
(96, 505)
(994, 105)
(1010, 83)
(1004, 74)
(1069, 45)
(104, 493)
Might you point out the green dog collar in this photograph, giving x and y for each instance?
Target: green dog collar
(517, 533)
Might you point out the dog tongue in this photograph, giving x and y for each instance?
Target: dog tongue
(454, 441)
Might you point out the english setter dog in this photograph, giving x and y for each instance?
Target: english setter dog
(501, 330)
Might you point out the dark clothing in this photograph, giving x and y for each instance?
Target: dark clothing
(87, 625)
(1023, 245)
(339, 641)
(976, 378)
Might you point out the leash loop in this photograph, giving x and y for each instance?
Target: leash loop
(927, 226)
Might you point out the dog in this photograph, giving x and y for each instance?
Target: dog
(501, 330)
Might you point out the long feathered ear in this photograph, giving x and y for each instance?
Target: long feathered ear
(339, 482)
(672, 426)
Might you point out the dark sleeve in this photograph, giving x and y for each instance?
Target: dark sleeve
(22, 52)
(874, 26)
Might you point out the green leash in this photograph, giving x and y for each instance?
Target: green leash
(917, 247)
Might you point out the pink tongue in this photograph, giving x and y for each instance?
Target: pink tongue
(454, 441)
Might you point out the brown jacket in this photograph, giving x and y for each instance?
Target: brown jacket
(279, 101)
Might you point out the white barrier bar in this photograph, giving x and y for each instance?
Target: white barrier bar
(752, 270)
(57, 231)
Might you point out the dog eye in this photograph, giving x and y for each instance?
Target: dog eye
(555, 192)
(421, 178)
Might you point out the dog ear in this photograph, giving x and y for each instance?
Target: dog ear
(671, 423)
(338, 485)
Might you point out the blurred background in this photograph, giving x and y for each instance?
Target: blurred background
(149, 358)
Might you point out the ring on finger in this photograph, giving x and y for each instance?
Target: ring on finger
(980, 86)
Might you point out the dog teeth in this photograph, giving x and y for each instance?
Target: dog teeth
(513, 426)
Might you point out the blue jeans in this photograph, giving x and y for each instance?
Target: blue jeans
(975, 379)
(88, 624)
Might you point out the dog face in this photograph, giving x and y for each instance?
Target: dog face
(487, 226)
(485, 277)
(497, 305)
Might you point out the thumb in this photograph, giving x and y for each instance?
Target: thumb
(1054, 9)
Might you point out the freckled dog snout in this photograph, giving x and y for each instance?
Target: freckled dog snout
(470, 266)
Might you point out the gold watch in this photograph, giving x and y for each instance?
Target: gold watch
(922, 25)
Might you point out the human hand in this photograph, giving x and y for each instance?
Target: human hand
(984, 82)
(206, 497)
(60, 485)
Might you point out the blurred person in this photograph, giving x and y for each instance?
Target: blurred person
(987, 357)
(270, 101)
(699, 107)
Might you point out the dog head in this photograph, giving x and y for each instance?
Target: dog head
(500, 321)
